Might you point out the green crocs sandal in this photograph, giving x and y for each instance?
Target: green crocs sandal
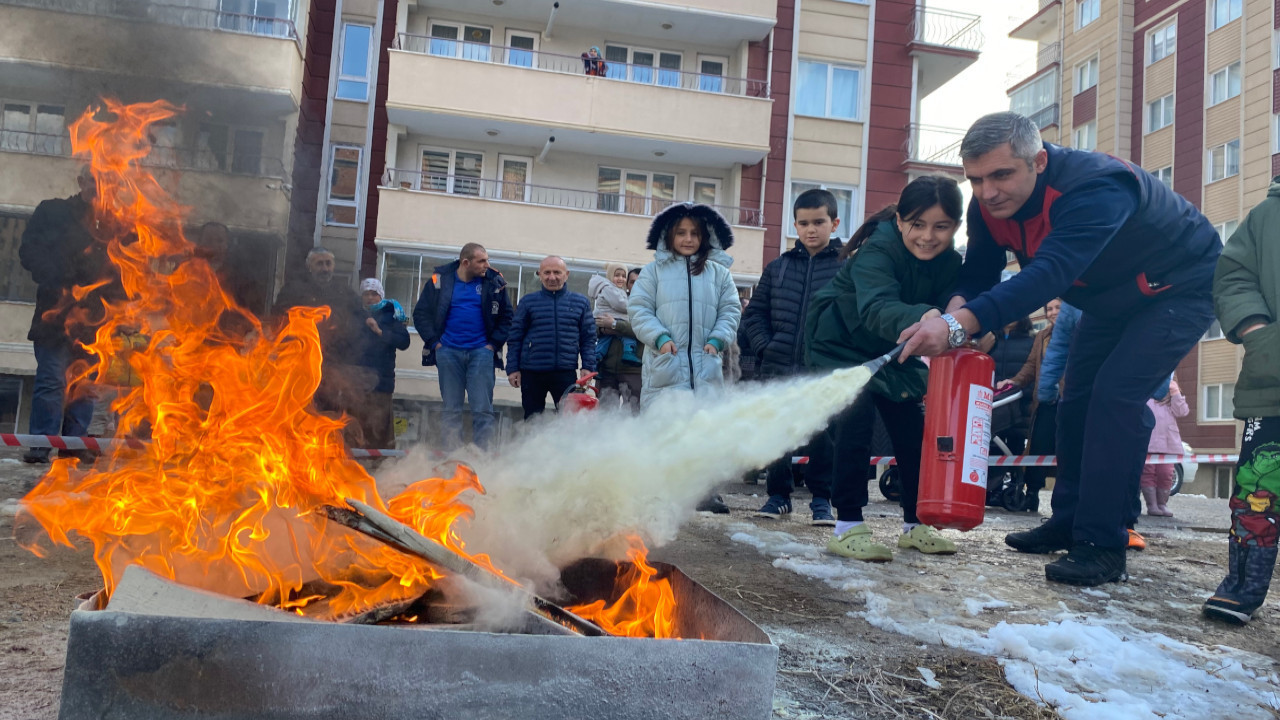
(857, 544)
(928, 540)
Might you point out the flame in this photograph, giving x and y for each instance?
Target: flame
(644, 608)
(224, 495)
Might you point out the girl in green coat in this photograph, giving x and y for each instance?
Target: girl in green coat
(904, 269)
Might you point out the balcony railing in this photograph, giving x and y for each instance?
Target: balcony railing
(1048, 55)
(934, 145)
(962, 31)
(31, 143)
(179, 15)
(1046, 117)
(576, 65)
(619, 202)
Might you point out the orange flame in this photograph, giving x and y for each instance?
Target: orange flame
(645, 608)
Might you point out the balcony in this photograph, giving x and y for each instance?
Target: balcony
(1048, 56)
(166, 44)
(944, 43)
(933, 149)
(541, 220)
(1045, 118)
(529, 96)
(1045, 19)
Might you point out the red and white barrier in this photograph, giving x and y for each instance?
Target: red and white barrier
(1052, 460)
(63, 442)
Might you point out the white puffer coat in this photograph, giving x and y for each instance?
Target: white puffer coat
(691, 309)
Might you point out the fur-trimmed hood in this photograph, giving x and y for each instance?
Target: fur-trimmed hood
(721, 234)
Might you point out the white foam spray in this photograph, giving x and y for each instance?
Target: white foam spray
(569, 484)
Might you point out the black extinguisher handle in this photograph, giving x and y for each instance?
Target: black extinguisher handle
(875, 365)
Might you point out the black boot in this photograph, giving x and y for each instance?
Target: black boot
(1088, 565)
(714, 504)
(1245, 588)
(1047, 538)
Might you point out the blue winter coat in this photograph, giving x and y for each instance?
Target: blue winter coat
(551, 331)
(380, 350)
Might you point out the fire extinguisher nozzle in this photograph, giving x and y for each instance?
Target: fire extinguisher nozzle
(873, 366)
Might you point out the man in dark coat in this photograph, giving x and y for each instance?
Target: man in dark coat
(463, 316)
(553, 328)
(773, 323)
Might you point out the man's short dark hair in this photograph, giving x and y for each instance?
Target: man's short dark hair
(816, 198)
(469, 251)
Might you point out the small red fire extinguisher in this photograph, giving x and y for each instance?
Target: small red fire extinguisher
(957, 439)
(579, 396)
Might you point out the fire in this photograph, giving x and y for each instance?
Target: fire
(645, 608)
(224, 494)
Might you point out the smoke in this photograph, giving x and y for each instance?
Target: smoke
(572, 486)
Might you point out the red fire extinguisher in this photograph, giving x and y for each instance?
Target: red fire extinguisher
(957, 439)
(579, 396)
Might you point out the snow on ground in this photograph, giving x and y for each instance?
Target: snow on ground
(1088, 655)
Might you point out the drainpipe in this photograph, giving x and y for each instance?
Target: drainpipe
(326, 158)
(764, 165)
(546, 148)
(366, 157)
(551, 19)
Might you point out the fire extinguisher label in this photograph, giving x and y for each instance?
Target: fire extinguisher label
(977, 437)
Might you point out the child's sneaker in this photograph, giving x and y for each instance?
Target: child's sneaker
(1228, 610)
(1136, 541)
(856, 543)
(926, 539)
(821, 508)
(775, 508)
(1245, 588)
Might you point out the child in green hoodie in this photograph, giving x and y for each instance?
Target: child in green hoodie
(904, 269)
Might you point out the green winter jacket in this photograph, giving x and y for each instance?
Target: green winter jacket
(1246, 291)
(879, 292)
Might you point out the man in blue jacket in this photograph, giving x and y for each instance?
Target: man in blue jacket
(464, 316)
(1138, 261)
(552, 329)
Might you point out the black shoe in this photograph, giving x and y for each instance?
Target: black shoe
(34, 458)
(1088, 565)
(714, 504)
(1228, 610)
(1039, 540)
(1032, 504)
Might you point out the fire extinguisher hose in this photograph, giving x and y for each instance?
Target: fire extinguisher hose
(874, 365)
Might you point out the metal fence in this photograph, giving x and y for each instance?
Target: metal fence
(31, 143)
(577, 65)
(935, 145)
(619, 202)
(946, 29)
(179, 15)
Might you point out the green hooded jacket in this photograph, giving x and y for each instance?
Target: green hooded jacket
(879, 292)
(1246, 291)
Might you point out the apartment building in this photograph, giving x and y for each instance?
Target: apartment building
(236, 67)
(1184, 88)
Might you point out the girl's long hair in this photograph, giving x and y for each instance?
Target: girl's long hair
(697, 261)
(918, 196)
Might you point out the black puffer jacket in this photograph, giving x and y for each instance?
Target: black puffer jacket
(774, 319)
(1010, 353)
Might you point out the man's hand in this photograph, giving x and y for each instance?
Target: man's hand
(1251, 328)
(668, 347)
(514, 379)
(606, 321)
(489, 348)
(373, 325)
(935, 312)
(583, 372)
(925, 338)
(710, 349)
(439, 345)
(1000, 386)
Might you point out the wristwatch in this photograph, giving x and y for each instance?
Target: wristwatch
(958, 336)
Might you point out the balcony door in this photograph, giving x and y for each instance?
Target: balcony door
(522, 48)
(711, 73)
(469, 42)
(643, 65)
(704, 190)
(634, 192)
(513, 175)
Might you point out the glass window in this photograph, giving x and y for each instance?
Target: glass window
(712, 75)
(444, 40)
(1223, 12)
(615, 59)
(1165, 175)
(1160, 113)
(1086, 75)
(826, 90)
(669, 65)
(455, 171)
(608, 185)
(1224, 84)
(521, 49)
(1224, 161)
(1087, 11)
(845, 199)
(344, 186)
(1219, 402)
(1086, 136)
(642, 66)
(1162, 43)
(402, 279)
(353, 73)
(1214, 332)
(1035, 95)
(705, 191)
(635, 192)
(1226, 229)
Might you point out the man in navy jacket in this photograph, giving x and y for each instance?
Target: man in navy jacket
(1137, 259)
(552, 329)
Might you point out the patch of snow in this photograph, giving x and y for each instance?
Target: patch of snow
(1096, 592)
(975, 607)
(10, 461)
(930, 680)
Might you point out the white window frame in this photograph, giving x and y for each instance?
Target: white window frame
(695, 179)
(1213, 333)
(537, 45)
(453, 168)
(528, 178)
(1275, 49)
(1226, 391)
(1091, 130)
(55, 145)
(1232, 5)
(1219, 90)
(329, 200)
(1275, 134)
(1228, 149)
(1226, 229)
(461, 42)
(368, 64)
(1161, 173)
(724, 79)
(656, 68)
(1086, 71)
(847, 226)
(648, 191)
(1083, 16)
(831, 68)
(1163, 38)
(1159, 113)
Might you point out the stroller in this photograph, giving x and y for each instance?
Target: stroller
(1004, 484)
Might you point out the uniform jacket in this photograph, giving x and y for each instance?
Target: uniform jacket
(432, 310)
(774, 319)
(551, 331)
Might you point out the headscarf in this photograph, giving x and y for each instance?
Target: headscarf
(375, 285)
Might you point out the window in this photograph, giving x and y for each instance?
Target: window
(246, 154)
(1214, 332)
(522, 48)
(1218, 402)
(1224, 161)
(1087, 11)
(1165, 175)
(1275, 134)
(1036, 95)
(1275, 49)
(1086, 136)
(469, 42)
(15, 282)
(253, 16)
(1086, 75)
(846, 196)
(353, 72)
(643, 66)
(1226, 230)
(827, 90)
(33, 128)
(1224, 84)
(704, 190)
(1222, 12)
(344, 186)
(513, 177)
(452, 171)
(635, 192)
(1162, 43)
(711, 73)
(1160, 113)
(1223, 482)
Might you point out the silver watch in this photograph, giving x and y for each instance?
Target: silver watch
(958, 336)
